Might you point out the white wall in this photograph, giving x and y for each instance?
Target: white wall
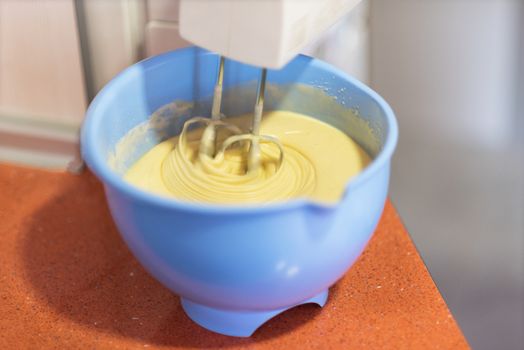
(449, 66)
(450, 70)
(113, 34)
(42, 92)
(40, 66)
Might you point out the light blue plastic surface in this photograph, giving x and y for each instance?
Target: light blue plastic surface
(238, 323)
(249, 261)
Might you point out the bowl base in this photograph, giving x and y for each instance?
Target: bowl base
(238, 323)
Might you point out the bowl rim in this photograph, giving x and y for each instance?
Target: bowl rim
(98, 164)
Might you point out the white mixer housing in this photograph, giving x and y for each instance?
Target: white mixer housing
(265, 33)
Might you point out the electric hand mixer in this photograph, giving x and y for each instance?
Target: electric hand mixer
(257, 32)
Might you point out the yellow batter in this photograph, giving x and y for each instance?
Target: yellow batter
(318, 162)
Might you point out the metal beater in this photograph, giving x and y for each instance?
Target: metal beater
(208, 142)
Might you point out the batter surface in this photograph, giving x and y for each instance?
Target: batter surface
(318, 162)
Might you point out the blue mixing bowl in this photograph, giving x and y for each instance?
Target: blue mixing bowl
(237, 266)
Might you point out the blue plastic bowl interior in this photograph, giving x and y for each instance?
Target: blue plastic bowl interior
(192, 79)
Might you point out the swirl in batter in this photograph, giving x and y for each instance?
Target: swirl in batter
(318, 162)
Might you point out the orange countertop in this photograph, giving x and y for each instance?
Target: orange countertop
(69, 281)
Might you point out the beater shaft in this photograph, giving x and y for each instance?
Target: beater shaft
(259, 104)
(209, 136)
(253, 162)
(217, 95)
